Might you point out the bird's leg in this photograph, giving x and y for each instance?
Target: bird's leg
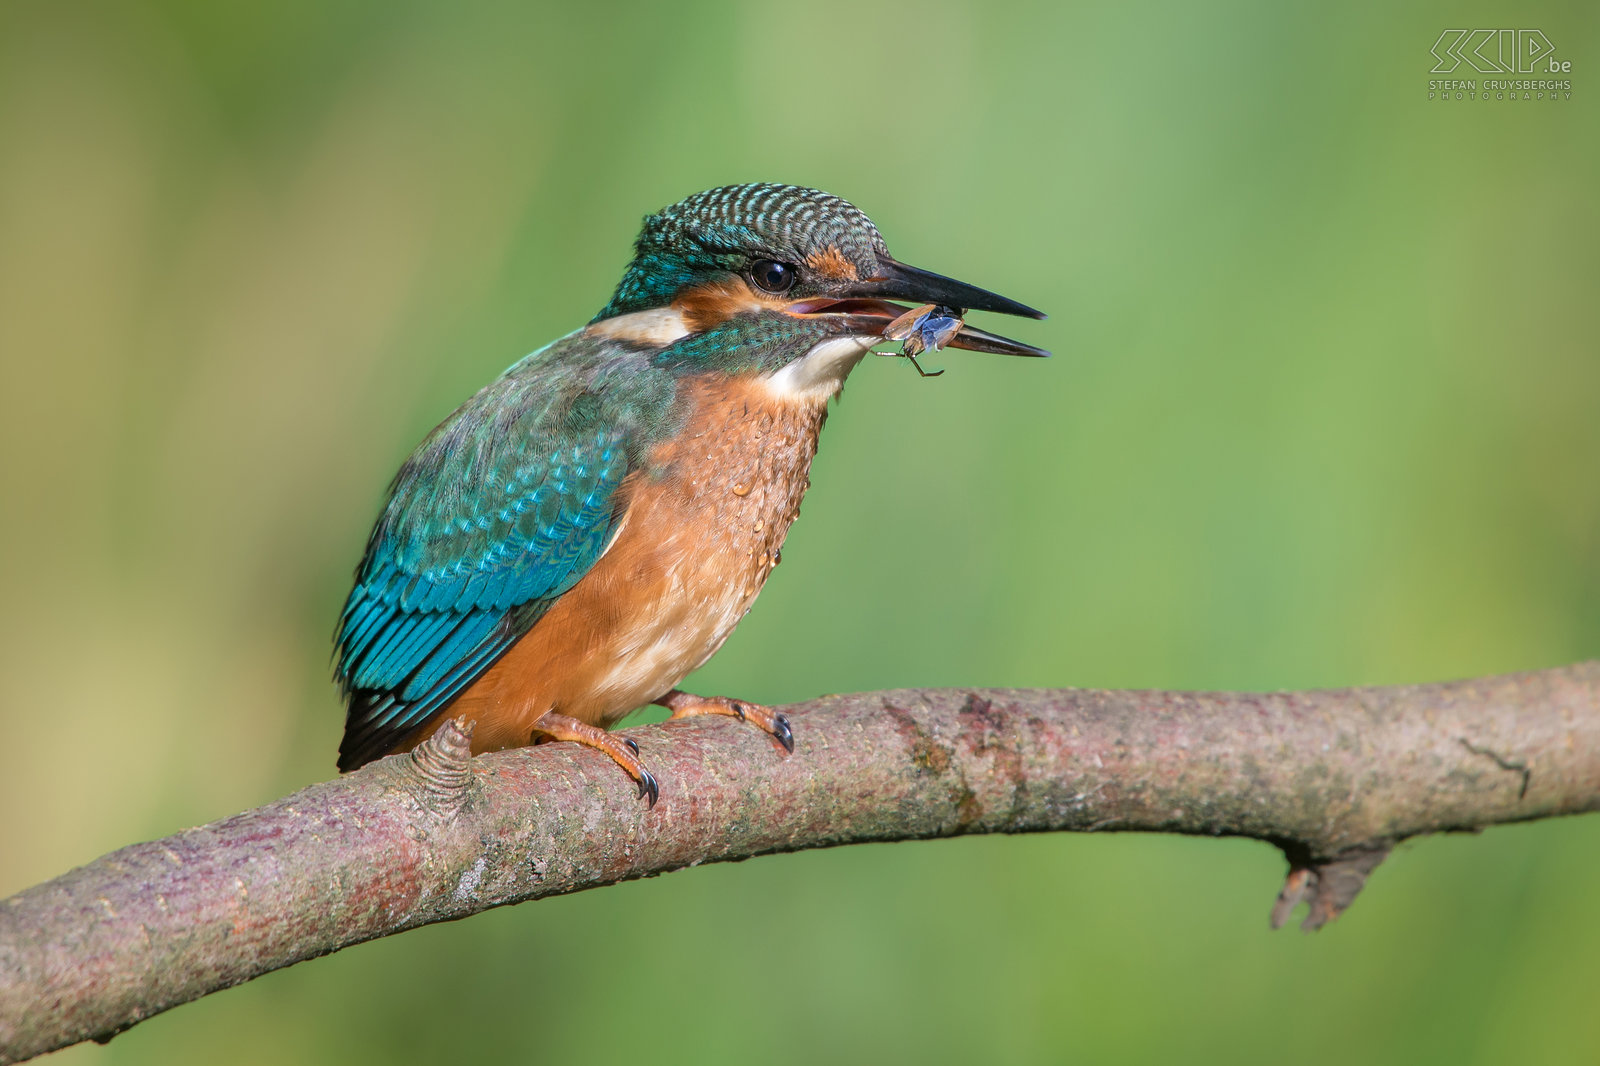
(622, 750)
(685, 704)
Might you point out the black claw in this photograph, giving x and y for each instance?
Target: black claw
(784, 734)
(737, 708)
(648, 787)
(631, 745)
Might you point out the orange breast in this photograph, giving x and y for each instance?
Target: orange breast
(698, 539)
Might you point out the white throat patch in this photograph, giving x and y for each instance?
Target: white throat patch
(817, 376)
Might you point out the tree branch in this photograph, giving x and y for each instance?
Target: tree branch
(1334, 779)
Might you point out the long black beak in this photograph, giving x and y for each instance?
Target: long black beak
(896, 281)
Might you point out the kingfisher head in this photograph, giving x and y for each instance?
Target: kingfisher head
(783, 250)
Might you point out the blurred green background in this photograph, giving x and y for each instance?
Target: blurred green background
(1325, 411)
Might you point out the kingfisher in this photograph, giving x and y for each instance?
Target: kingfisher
(589, 528)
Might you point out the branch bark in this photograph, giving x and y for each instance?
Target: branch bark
(1333, 779)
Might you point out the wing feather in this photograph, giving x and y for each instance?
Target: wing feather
(504, 507)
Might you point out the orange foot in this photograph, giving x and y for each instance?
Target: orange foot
(622, 750)
(684, 704)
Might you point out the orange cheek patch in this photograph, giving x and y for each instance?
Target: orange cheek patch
(705, 306)
(831, 262)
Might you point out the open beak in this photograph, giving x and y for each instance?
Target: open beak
(866, 302)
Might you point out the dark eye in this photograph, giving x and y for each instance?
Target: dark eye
(773, 275)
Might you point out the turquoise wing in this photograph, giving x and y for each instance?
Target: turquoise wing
(502, 509)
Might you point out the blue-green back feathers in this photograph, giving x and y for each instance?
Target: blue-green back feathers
(503, 508)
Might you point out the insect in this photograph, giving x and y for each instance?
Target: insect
(924, 329)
